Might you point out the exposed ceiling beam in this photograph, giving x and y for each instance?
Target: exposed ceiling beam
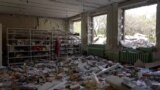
(62, 8)
(36, 8)
(31, 13)
(74, 2)
(52, 8)
(28, 10)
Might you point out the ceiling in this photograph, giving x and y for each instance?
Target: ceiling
(51, 8)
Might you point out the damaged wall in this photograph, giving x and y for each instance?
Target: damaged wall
(21, 21)
(51, 24)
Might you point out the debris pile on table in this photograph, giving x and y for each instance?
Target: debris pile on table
(78, 73)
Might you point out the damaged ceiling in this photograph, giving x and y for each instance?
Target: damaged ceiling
(51, 8)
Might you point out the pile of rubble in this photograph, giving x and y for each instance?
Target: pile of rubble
(136, 41)
(78, 73)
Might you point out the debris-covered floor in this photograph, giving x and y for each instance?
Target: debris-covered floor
(78, 73)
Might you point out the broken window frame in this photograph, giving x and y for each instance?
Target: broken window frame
(92, 32)
(79, 20)
(122, 23)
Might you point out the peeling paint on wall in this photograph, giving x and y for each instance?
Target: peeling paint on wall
(51, 24)
(20, 21)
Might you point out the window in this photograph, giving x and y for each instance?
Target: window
(77, 27)
(99, 29)
(140, 27)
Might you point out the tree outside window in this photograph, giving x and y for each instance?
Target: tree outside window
(140, 26)
(77, 27)
(99, 29)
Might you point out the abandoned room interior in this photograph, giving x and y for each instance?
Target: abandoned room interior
(79, 44)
